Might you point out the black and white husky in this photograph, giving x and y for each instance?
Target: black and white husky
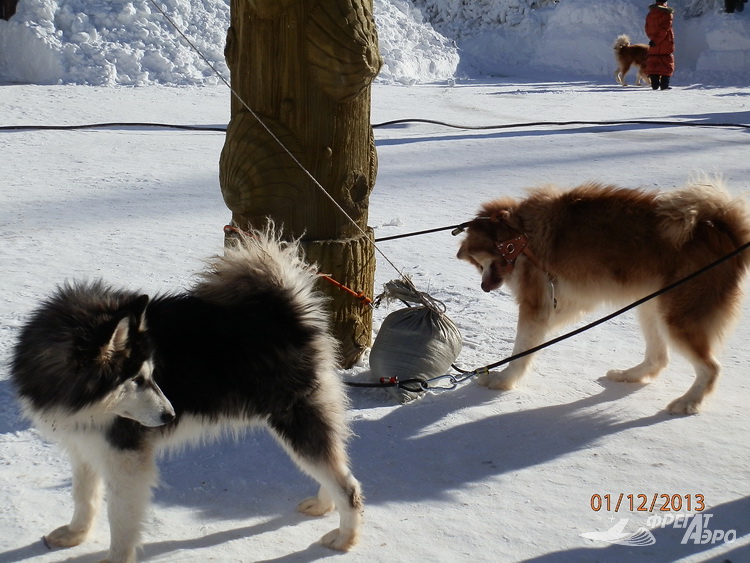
(116, 377)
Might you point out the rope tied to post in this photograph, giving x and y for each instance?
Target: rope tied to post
(358, 295)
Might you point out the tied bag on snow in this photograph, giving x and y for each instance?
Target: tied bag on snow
(418, 342)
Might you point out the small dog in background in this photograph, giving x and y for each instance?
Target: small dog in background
(116, 377)
(627, 55)
(564, 253)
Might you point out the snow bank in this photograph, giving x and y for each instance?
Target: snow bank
(412, 50)
(132, 43)
(115, 42)
(578, 36)
(574, 38)
(129, 42)
(727, 40)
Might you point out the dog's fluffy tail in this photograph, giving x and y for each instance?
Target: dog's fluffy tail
(620, 42)
(704, 200)
(258, 261)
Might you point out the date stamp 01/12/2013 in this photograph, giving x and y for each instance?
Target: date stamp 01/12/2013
(677, 511)
(656, 502)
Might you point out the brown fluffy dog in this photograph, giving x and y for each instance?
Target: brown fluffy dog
(628, 55)
(563, 253)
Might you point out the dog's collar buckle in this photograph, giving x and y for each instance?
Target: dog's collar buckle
(511, 249)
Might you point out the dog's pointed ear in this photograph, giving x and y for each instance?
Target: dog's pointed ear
(138, 311)
(507, 217)
(133, 316)
(117, 341)
(500, 216)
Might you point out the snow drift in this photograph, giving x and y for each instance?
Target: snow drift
(129, 42)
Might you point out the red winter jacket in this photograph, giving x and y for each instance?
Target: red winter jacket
(659, 31)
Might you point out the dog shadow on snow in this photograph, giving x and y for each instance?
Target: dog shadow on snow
(396, 456)
(413, 454)
(11, 419)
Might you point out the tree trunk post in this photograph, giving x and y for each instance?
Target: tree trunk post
(305, 68)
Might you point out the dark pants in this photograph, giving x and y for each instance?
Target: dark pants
(730, 6)
(7, 8)
(659, 82)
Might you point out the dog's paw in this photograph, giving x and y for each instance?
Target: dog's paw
(340, 540)
(65, 537)
(684, 405)
(129, 557)
(502, 381)
(314, 506)
(483, 379)
(628, 376)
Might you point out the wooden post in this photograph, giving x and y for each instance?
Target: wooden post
(305, 68)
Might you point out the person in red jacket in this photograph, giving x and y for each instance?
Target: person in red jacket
(660, 61)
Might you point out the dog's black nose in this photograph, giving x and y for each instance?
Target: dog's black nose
(167, 417)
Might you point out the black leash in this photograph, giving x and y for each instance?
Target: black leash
(455, 229)
(448, 381)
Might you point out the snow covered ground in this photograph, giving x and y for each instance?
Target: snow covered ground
(463, 475)
(468, 474)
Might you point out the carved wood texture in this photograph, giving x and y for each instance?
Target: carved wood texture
(305, 68)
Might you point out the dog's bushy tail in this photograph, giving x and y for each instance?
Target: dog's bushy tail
(704, 200)
(620, 42)
(258, 261)
(260, 264)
